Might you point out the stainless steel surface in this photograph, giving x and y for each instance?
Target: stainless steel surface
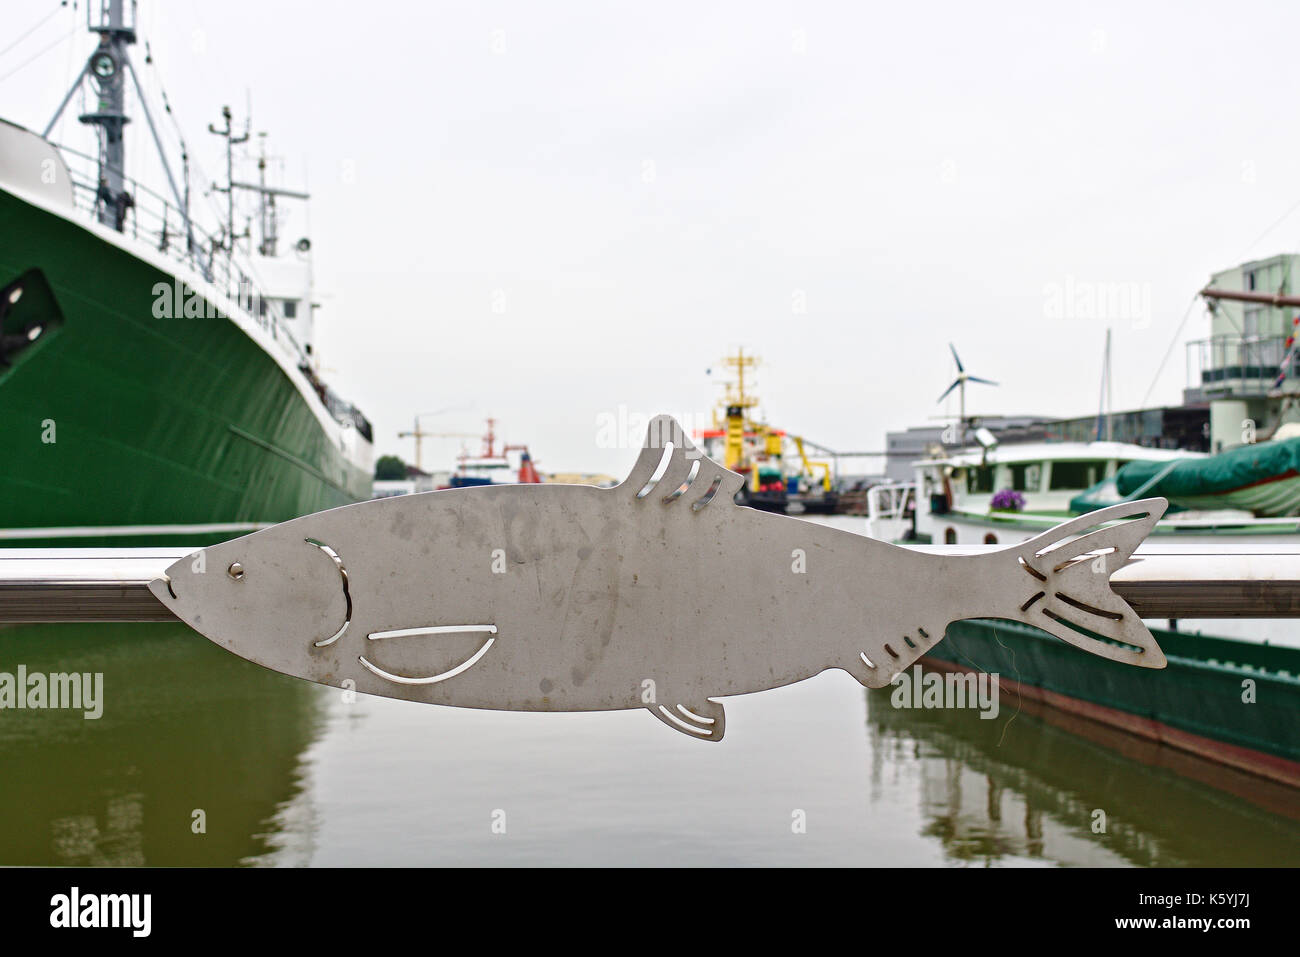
(660, 594)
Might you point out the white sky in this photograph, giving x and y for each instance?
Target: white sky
(651, 185)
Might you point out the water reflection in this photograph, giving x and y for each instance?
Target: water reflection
(185, 727)
(1019, 789)
(291, 773)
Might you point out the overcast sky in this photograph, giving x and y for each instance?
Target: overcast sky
(543, 212)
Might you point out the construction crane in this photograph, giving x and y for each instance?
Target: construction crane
(419, 435)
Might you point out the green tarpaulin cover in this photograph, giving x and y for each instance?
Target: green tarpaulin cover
(1099, 496)
(1212, 475)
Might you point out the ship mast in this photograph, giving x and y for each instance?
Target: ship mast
(735, 393)
(738, 402)
(268, 226)
(227, 133)
(107, 69)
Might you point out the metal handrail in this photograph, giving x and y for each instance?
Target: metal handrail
(890, 501)
(1160, 581)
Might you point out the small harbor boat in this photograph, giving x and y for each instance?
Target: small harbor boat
(1231, 691)
(779, 475)
(509, 465)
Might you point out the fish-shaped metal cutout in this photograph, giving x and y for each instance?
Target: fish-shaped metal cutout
(660, 593)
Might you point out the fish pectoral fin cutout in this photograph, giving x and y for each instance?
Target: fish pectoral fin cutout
(706, 720)
(672, 471)
(408, 661)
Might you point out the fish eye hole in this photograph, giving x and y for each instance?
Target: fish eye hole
(235, 571)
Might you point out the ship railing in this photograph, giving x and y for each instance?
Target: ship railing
(151, 218)
(348, 414)
(154, 221)
(891, 501)
(1252, 361)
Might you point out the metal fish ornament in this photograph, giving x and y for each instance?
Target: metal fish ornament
(660, 593)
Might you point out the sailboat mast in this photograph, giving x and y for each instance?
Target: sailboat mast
(1110, 398)
(1104, 404)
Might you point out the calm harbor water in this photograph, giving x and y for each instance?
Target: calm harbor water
(288, 773)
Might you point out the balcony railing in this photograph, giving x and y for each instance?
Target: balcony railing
(1251, 363)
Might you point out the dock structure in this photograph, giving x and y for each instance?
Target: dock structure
(1161, 581)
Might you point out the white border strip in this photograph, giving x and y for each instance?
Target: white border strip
(99, 531)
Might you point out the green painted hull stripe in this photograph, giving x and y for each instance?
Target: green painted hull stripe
(160, 427)
(1201, 690)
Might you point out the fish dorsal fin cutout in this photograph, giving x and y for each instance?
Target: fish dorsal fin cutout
(673, 471)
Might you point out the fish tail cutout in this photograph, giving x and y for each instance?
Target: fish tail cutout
(672, 471)
(1065, 581)
(705, 721)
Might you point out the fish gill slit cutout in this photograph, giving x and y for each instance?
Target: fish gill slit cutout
(703, 722)
(892, 652)
(1027, 605)
(680, 490)
(659, 471)
(908, 640)
(167, 580)
(869, 663)
(922, 632)
(464, 666)
(347, 595)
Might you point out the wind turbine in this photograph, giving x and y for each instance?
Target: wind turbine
(960, 382)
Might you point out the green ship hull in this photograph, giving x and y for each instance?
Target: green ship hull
(120, 428)
(1236, 703)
